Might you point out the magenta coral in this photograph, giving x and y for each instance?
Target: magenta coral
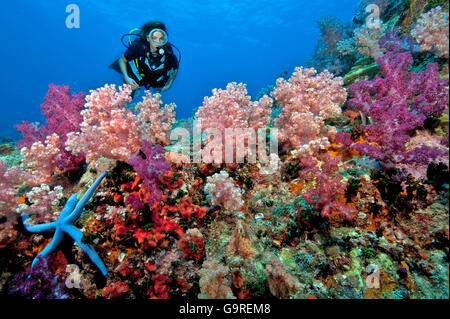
(307, 99)
(323, 196)
(398, 103)
(430, 141)
(392, 41)
(432, 33)
(149, 167)
(135, 201)
(62, 111)
(108, 128)
(31, 133)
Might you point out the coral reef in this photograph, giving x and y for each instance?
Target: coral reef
(108, 129)
(352, 203)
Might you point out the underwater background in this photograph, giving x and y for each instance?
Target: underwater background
(220, 42)
(100, 199)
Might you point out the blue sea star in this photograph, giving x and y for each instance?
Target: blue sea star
(70, 213)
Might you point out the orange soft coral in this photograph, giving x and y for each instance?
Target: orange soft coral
(192, 245)
(187, 210)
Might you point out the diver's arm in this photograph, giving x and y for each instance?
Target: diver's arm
(171, 79)
(123, 68)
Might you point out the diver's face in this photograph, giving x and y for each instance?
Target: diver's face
(156, 37)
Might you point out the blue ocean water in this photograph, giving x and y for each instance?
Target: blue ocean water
(221, 41)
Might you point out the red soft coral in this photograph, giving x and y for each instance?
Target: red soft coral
(187, 210)
(192, 245)
(149, 165)
(115, 290)
(323, 196)
(145, 238)
(160, 288)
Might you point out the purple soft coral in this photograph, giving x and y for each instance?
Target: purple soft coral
(149, 167)
(398, 103)
(392, 42)
(40, 282)
(62, 111)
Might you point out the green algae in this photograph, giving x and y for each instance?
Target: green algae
(361, 72)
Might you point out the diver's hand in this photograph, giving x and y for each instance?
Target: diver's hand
(130, 81)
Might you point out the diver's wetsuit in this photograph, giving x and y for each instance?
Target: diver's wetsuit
(146, 69)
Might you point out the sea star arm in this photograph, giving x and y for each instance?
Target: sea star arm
(50, 226)
(70, 213)
(68, 208)
(83, 201)
(57, 237)
(38, 228)
(76, 234)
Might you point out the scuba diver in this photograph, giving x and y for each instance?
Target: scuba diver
(149, 61)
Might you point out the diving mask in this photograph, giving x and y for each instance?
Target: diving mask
(164, 40)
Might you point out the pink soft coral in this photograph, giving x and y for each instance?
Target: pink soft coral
(108, 129)
(231, 112)
(233, 108)
(44, 204)
(156, 122)
(431, 31)
(222, 192)
(31, 133)
(10, 179)
(63, 116)
(39, 160)
(307, 99)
